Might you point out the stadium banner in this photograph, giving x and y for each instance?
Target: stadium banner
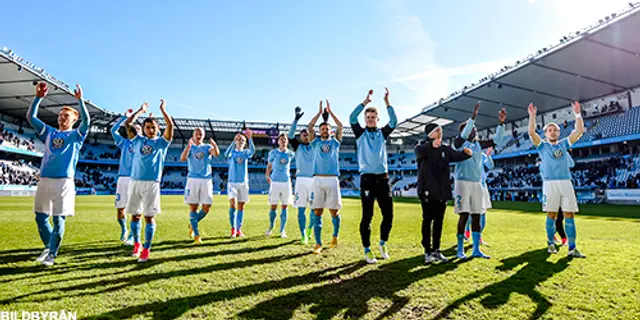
(20, 151)
(11, 190)
(623, 196)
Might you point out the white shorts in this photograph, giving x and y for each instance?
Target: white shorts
(145, 195)
(486, 199)
(304, 187)
(55, 196)
(558, 194)
(280, 191)
(198, 191)
(122, 192)
(326, 193)
(238, 191)
(468, 197)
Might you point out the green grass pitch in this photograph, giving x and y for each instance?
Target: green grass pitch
(273, 278)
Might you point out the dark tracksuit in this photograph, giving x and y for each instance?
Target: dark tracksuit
(374, 180)
(434, 188)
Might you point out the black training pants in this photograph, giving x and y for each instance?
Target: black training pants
(432, 217)
(375, 187)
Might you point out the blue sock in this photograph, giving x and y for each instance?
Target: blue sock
(551, 230)
(311, 218)
(476, 242)
(239, 219)
(483, 221)
(317, 229)
(382, 242)
(149, 231)
(56, 235)
(460, 244)
(570, 227)
(201, 215)
(135, 230)
(193, 218)
(336, 225)
(367, 250)
(232, 218)
(302, 221)
(283, 220)
(44, 228)
(123, 226)
(272, 218)
(467, 226)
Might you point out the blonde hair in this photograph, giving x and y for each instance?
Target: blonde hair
(72, 110)
(370, 109)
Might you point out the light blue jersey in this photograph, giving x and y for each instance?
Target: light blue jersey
(61, 153)
(304, 154)
(372, 142)
(326, 159)
(62, 148)
(126, 150)
(148, 161)
(199, 161)
(471, 169)
(488, 163)
(281, 165)
(556, 161)
(238, 162)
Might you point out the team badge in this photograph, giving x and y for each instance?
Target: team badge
(283, 160)
(366, 193)
(146, 149)
(239, 160)
(131, 150)
(443, 155)
(326, 148)
(557, 154)
(199, 155)
(58, 142)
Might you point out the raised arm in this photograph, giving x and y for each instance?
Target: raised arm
(393, 120)
(252, 147)
(115, 130)
(132, 119)
(487, 161)
(535, 138)
(168, 131)
(337, 121)
(85, 119)
(227, 153)
(577, 132)
(294, 125)
(312, 124)
(185, 153)
(498, 138)
(32, 113)
(214, 150)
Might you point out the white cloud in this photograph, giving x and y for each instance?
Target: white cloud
(415, 67)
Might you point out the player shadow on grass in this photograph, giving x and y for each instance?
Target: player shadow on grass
(175, 308)
(140, 279)
(536, 270)
(352, 295)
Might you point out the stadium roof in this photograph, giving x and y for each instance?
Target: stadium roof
(595, 62)
(18, 78)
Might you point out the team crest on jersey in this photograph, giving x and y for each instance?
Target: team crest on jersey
(199, 155)
(57, 142)
(146, 149)
(557, 154)
(239, 160)
(283, 160)
(326, 148)
(131, 150)
(366, 193)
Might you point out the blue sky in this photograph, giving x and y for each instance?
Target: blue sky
(256, 60)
